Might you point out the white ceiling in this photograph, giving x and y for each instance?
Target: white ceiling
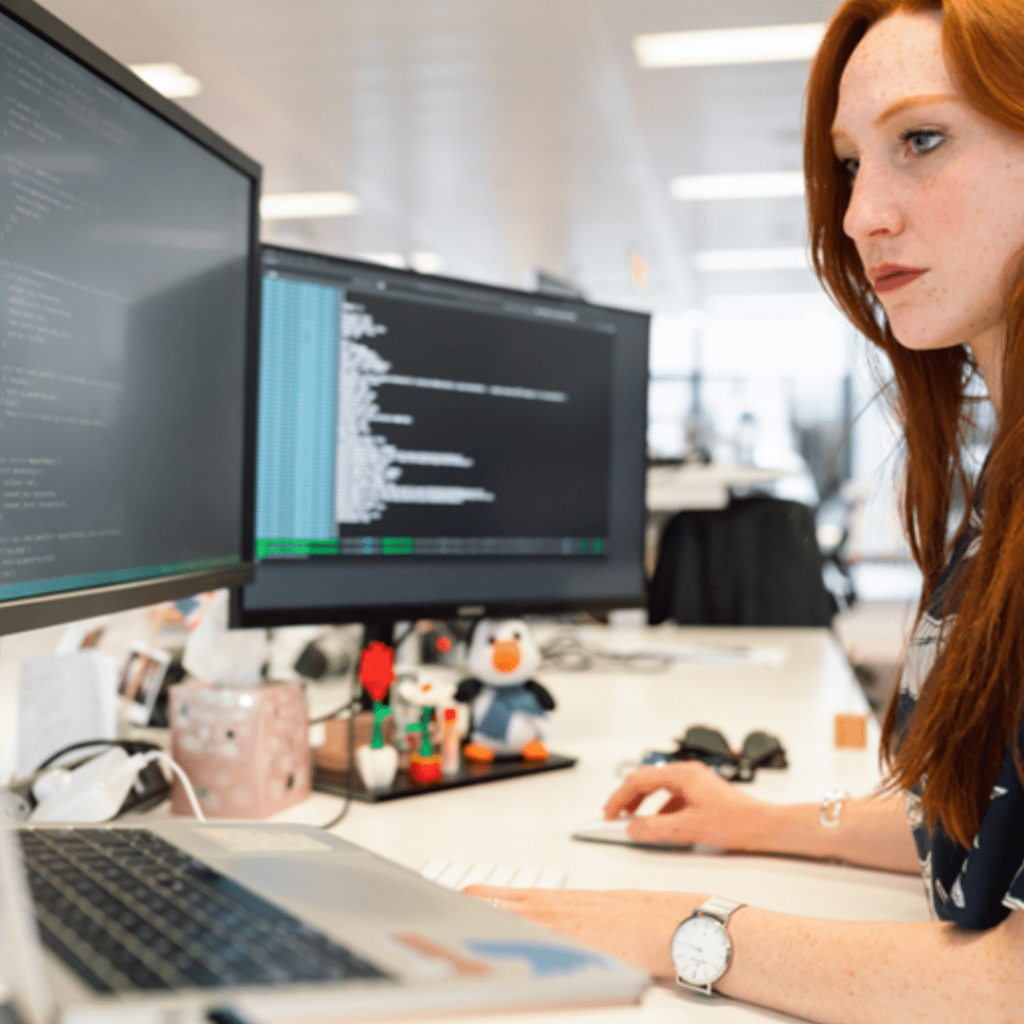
(502, 135)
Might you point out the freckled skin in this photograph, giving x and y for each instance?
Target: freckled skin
(955, 210)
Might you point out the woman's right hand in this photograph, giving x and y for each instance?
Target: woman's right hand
(702, 807)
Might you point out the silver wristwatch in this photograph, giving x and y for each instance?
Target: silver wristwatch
(701, 948)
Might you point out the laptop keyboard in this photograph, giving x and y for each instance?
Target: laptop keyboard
(129, 912)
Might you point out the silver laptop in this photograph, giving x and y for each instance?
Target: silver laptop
(175, 921)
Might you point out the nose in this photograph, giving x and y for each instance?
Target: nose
(873, 211)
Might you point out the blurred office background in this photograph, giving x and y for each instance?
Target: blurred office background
(569, 143)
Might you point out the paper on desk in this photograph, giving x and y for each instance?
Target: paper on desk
(708, 654)
(64, 699)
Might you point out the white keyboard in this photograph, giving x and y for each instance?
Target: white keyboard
(457, 874)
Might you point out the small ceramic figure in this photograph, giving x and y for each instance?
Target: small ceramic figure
(377, 761)
(508, 706)
(424, 759)
(426, 691)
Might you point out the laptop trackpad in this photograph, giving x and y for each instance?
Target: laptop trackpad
(321, 885)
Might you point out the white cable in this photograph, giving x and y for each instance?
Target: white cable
(159, 755)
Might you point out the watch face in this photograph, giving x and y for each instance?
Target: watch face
(701, 950)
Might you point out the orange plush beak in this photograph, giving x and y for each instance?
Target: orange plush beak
(505, 655)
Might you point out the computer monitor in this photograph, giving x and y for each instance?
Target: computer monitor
(433, 448)
(129, 281)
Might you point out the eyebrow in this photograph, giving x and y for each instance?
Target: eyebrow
(897, 108)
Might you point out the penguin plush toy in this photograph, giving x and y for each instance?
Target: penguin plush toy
(508, 707)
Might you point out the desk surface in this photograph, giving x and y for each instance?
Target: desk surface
(607, 718)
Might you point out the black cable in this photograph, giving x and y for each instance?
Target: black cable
(131, 746)
(340, 816)
(226, 1015)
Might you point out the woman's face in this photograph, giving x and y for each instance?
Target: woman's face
(937, 210)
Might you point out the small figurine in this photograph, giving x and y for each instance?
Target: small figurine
(508, 706)
(429, 687)
(377, 761)
(424, 761)
(426, 692)
(451, 755)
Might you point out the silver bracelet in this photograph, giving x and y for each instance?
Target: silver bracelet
(832, 807)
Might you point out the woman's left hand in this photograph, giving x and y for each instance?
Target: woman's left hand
(628, 924)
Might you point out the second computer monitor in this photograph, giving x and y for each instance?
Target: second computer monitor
(430, 447)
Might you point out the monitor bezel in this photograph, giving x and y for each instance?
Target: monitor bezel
(251, 618)
(35, 612)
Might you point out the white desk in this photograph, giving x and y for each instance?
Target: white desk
(671, 488)
(605, 718)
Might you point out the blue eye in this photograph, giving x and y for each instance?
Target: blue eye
(850, 167)
(922, 141)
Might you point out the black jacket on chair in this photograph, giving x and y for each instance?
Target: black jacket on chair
(754, 563)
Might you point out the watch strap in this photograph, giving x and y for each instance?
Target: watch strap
(719, 908)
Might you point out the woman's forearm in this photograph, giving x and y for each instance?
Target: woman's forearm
(828, 971)
(856, 972)
(703, 808)
(872, 832)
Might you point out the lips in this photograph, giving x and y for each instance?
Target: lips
(889, 276)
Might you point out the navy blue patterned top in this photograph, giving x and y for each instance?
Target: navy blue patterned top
(975, 888)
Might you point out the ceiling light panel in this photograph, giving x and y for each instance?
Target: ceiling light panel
(169, 80)
(427, 262)
(308, 205)
(770, 185)
(386, 259)
(764, 45)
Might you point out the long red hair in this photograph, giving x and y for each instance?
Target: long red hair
(970, 708)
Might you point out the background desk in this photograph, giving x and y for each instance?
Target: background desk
(606, 718)
(672, 488)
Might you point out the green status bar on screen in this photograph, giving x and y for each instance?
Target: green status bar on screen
(299, 547)
(290, 547)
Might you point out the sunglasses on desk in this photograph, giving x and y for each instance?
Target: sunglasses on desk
(701, 743)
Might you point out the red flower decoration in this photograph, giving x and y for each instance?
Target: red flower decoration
(376, 669)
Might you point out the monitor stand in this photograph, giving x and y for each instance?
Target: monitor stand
(348, 783)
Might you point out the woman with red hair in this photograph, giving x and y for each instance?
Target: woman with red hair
(914, 162)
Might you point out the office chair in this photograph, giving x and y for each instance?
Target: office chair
(754, 563)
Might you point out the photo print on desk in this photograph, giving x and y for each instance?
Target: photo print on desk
(139, 684)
